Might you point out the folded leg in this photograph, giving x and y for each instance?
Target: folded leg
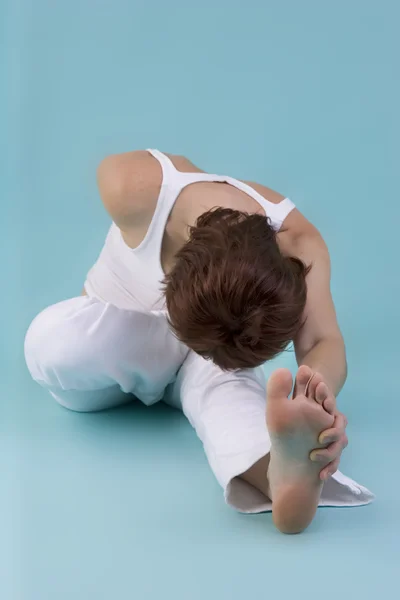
(91, 355)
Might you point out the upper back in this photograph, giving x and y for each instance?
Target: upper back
(130, 184)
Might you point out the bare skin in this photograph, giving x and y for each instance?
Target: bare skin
(303, 437)
(129, 185)
(294, 426)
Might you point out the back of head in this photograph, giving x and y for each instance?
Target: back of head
(232, 296)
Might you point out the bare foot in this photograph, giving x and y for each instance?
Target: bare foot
(294, 427)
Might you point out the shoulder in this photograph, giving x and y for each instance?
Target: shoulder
(130, 183)
(266, 192)
(295, 226)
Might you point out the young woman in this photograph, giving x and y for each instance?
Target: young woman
(201, 280)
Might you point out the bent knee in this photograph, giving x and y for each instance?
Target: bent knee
(52, 346)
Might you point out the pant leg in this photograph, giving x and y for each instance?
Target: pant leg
(91, 355)
(227, 410)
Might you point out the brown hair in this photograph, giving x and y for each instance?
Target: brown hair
(232, 296)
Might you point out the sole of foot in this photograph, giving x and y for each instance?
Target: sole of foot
(294, 426)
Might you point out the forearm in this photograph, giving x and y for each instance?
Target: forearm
(328, 357)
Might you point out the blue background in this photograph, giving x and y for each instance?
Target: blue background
(303, 96)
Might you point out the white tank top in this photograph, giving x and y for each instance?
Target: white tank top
(130, 278)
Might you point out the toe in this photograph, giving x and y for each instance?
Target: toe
(279, 384)
(321, 393)
(312, 385)
(330, 405)
(336, 432)
(303, 376)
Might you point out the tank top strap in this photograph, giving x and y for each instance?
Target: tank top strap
(171, 185)
(174, 181)
(277, 213)
(168, 167)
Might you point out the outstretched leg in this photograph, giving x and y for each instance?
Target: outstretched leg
(253, 462)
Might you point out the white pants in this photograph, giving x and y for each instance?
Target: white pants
(91, 356)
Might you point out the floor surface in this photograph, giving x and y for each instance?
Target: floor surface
(301, 96)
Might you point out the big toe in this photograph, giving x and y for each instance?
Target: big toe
(279, 384)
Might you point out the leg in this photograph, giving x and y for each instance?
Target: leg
(227, 410)
(251, 463)
(91, 355)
